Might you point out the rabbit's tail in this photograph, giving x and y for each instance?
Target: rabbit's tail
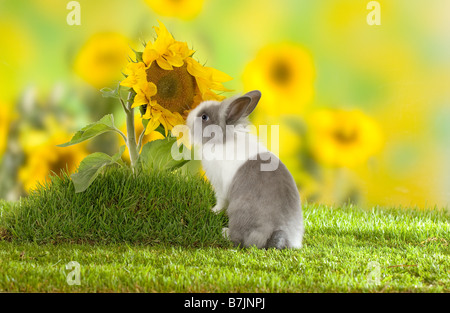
(277, 240)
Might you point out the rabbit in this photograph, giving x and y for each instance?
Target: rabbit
(263, 205)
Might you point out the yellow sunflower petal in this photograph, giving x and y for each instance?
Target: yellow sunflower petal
(174, 60)
(128, 82)
(144, 93)
(134, 67)
(150, 89)
(150, 54)
(154, 135)
(152, 125)
(217, 75)
(164, 64)
(139, 99)
(148, 114)
(153, 111)
(209, 95)
(135, 73)
(203, 84)
(164, 39)
(162, 31)
(217, 86)
(165, 125)
(211, 74)
(153, 104)
(181, 49)
(195, 69)
(174, 119)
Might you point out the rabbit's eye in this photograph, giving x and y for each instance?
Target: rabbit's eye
(205, 117)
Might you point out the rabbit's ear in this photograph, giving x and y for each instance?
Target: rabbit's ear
(243, 106)
(255, 95)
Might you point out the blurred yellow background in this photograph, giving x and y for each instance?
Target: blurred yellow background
(364, 110)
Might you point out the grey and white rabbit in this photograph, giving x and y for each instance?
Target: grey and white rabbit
(256, 189)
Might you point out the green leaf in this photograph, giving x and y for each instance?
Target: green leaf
(110, 93)
(157, 155)
(92, 130)
(92, 166)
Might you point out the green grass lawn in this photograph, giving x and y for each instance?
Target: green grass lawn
(155, 233)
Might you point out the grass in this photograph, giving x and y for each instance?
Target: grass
(119, 207)
(155, 233)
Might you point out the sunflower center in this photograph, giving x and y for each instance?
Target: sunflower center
(281, 72)
(167, 87)
(175, 88)
(345, 136)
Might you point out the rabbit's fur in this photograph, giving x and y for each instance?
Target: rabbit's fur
(263, 205)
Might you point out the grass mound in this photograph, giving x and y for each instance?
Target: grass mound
(148, 208)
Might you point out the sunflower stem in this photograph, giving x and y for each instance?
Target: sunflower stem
(141, 137)
(123, 105)
(121, 100)
(131, 132)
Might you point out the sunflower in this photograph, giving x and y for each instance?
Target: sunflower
(168, 82)
(285, 75)
(343, 138)
(101, 58)
(42, 156)
(183, 9)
